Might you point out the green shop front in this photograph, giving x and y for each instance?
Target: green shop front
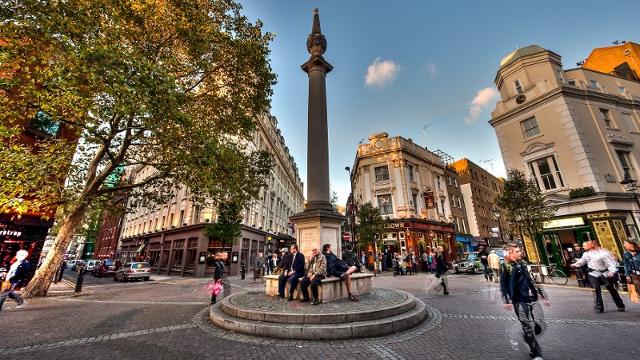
(555, 244)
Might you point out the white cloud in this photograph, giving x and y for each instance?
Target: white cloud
(484, 98)
(432, 69)
(381, 72)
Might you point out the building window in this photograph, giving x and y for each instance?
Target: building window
(411, 176)
(385, 205)
(621, 89)
(629, 122)
(572, 82)
(594, 84)
(625, 163)
(438, 182)
(518, 86)
(530, 127)
(414, 198)
(546, 173)
(606, 117)
(382, 173)
(44, 123)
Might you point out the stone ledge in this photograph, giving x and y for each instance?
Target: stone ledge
(359, 329)
(331, 288)
(307, 314)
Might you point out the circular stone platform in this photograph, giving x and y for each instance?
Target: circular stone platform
(380, 312)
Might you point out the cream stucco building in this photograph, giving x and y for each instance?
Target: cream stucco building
(576, 132)
(172, 235)
(408, 183)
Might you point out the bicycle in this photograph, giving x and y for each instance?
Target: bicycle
(554, 276)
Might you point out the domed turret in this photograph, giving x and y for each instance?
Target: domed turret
(519, 53)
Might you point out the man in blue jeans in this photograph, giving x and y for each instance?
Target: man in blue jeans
(520, 294)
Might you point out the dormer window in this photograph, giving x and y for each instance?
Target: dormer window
(518, 87)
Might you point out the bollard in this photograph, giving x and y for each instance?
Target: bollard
(79, 279)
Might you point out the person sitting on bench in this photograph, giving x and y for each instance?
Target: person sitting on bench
(338, 268)
(292, 273)
(317, 272)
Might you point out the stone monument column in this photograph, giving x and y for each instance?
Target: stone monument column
(319, 223)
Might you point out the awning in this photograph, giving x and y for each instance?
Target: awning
(140, 248)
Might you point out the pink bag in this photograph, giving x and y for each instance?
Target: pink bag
(214, 288)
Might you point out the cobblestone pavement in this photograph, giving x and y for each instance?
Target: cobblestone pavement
(167, 319)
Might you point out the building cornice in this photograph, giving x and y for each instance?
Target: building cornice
(568, 91)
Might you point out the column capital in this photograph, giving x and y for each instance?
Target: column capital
(316, 61)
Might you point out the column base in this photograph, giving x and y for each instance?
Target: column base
(316, 227)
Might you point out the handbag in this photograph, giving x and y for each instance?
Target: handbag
(633, 294)
(217, 288)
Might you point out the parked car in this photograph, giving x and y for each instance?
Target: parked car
(469, 264)
(106, 268)
(133, 270)
(92, 264)
(73, 264)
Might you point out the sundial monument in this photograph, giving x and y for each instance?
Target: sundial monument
(319, 223)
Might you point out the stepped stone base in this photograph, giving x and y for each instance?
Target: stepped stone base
(380, 312)
(330, 289)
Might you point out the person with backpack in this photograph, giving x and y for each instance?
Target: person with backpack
(520, 293)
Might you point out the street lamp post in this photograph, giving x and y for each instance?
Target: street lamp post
(351, 217)
(632, 186)
(497, 214)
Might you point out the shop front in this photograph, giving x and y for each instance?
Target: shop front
(416, 235)
(187, 251)
(555, 244)
(27, 233)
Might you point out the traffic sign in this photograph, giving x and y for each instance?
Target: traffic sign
(346, 236)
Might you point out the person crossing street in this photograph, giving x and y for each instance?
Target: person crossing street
(602, 268)
(520, 294)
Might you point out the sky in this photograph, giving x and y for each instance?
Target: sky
(420, 69)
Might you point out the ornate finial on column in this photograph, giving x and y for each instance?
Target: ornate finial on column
(316, 42)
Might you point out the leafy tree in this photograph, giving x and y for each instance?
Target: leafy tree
(227, 227)
(370, 226)
(523, 205)
(170, 86)
(334, 199)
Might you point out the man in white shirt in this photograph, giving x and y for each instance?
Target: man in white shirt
(602, 268)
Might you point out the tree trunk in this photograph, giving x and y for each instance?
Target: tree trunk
(39, 284)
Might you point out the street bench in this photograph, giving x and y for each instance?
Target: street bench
(331, 288)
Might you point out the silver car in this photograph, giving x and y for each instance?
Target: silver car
(133, 270)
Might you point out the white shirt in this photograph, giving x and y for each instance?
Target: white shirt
(600, 261)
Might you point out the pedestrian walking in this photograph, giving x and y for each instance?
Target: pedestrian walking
(424, 257)
(259, 265)
(218, 272)
(63, 266)
(520, 294)
(581, 272)
(494, 265)
(483, 254)
(441, 269)
(14, 277)
(632, 263)
(602, 269)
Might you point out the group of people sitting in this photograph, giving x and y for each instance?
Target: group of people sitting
(322, 264)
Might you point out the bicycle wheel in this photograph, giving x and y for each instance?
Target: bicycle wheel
(558, 277)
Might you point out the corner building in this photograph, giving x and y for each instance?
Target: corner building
(575, 132)
(408, 183)
(171, 236)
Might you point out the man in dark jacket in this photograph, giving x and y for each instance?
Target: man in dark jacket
(218, 272)
(520, 293)
(292, 272)
(441, 269)
(350, 258)
(339, 268)
(15, 276)
(483, 254)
